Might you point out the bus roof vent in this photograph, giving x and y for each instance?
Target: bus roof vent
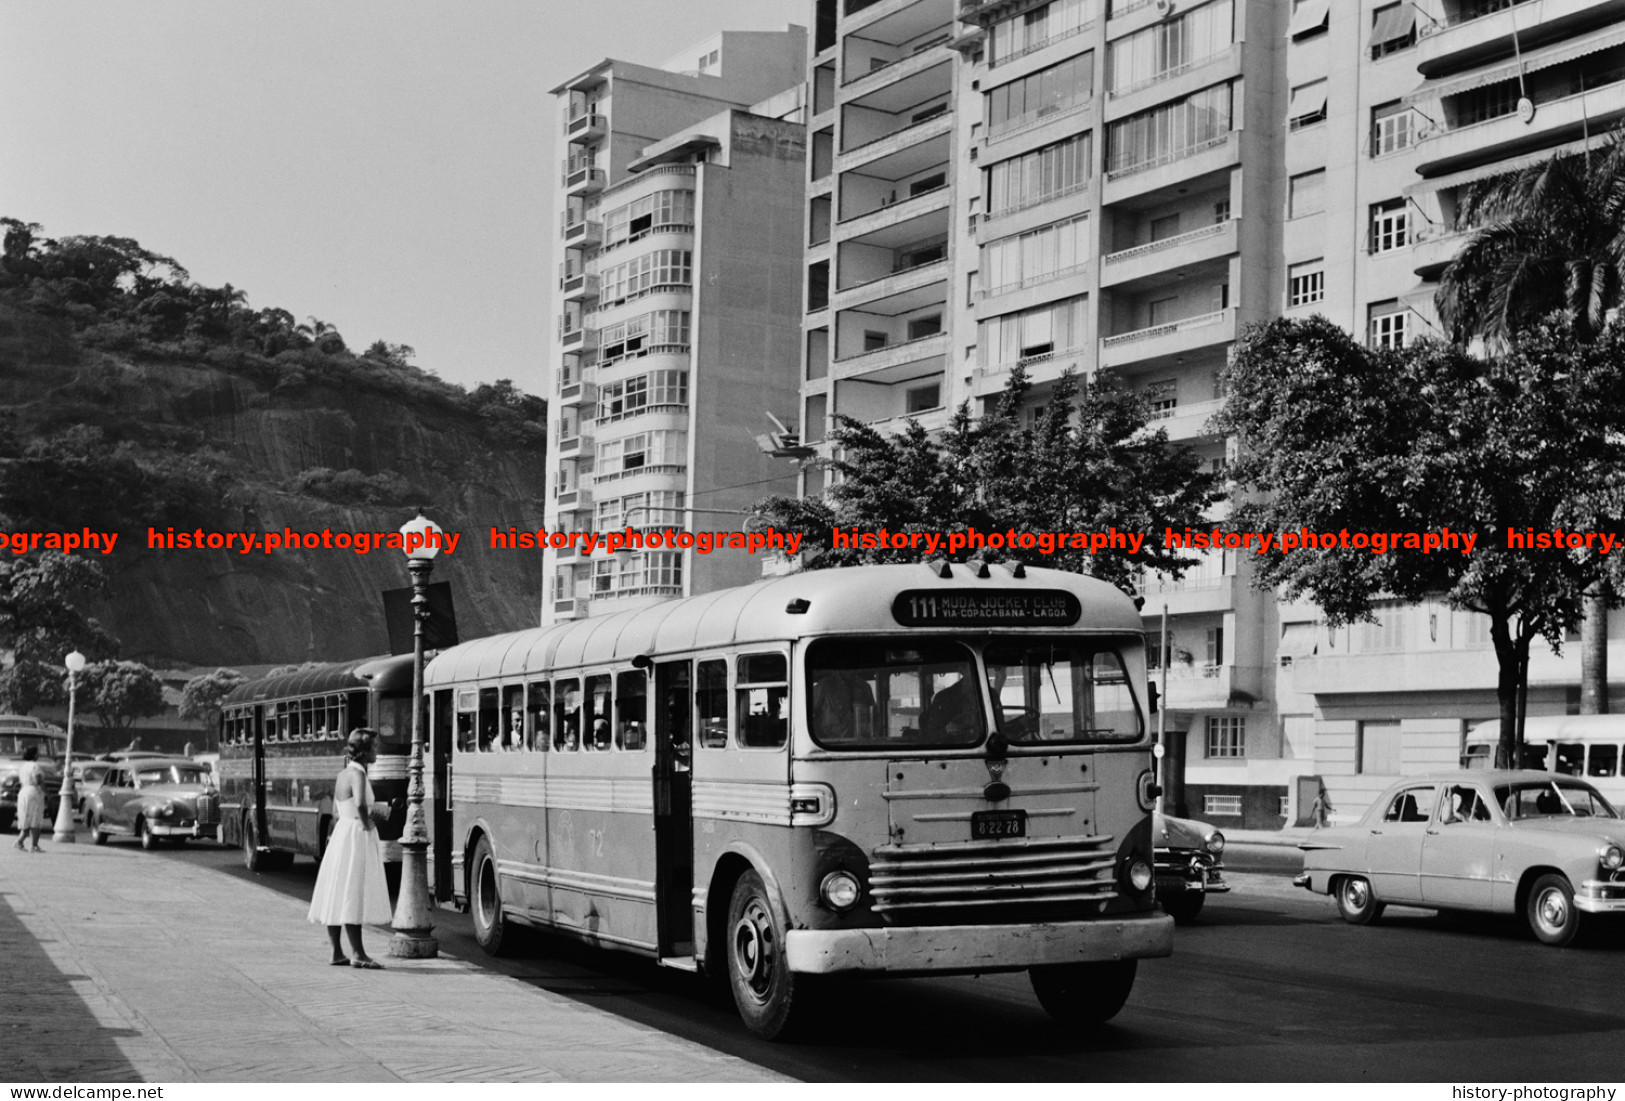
(940, 567)
(979, 568)
(1018, 571)
(798, 606)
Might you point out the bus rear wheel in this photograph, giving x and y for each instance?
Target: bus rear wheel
(491, 927)
(769, 995)
(253, 856)
(1084, 993)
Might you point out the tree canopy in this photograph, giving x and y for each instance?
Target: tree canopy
(120, 692)
(41, 623)
(1089, 462)
(200, 699)
(1335, 436)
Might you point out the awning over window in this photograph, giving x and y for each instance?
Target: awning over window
(1308, 100)
(1499, 168)
(1298, 640)
(1310, 16)
(1393, 24)
(1533, 60)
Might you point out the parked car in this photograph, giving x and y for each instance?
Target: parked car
(154, 799)
(87, 780)
(1187, 865)
(17, 733)
(1543, 845)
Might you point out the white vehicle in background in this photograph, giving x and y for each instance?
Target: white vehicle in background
(1592, 746)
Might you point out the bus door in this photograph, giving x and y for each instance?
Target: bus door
(674, 824)
(439, 795)
(257, 772)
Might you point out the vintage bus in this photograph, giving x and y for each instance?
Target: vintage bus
(282, 746)
(1592, 746)
(889, 769)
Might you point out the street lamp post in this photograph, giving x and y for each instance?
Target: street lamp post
(414, 926)
(65, 832)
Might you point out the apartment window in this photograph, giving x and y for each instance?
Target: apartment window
(1170, 47)
(643, 274)
(1165, 227)
(1306, 194)
(1034, 29)
(1214, 642)
(1379, 748)
(1308, 105)
(1162, 398)
(1390, 128)
(663, 209)
(1390, 226)
(1173, 130)
(1305, 283)
(658, 330)
(1035, 257)
(1309, 18)
(921, 398)
(644, 449)
(1385, 635)
(1221, 212)
(1221, 806)
(921, 327)
(1043, 330)
(629, 397)
(1393, 28)
(1160, 311)
(1227, 737)
(874, 340)
(1042, 174)
(1388, 324)
(1046, 92)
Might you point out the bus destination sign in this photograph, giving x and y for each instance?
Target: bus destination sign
(995, 608)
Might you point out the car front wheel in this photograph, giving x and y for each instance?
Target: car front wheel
(143, 830)
(1551, 913)
(97, 834)
(1356, 901)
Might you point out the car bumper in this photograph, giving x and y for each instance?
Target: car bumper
(160, 829)
(973, 948)
(1598, 897)
(1304, 880)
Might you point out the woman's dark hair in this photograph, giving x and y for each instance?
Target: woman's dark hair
(31, 753)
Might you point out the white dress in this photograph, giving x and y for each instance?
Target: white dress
(350, 888)
(30, 798)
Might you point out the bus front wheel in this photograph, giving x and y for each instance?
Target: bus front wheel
(485, 901)
(1084, 993)
(253, 857)
(768, 994)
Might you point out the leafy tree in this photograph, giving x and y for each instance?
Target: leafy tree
(120, 692)
(1089, 464)
(1336, 437)
(40, 623)
(1548, 237)
(200, 699)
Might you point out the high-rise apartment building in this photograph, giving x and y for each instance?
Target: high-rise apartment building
(1125, 184)
(678, 312)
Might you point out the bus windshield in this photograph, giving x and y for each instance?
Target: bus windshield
(923, 693)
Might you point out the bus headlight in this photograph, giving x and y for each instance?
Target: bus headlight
(1215, 842)
(1611, 857)
(1139, 875)
(840, 890)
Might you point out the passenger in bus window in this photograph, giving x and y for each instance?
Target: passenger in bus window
(843, 707)
(954, 713)
(600, 734)
(567, 720)
(515, 737)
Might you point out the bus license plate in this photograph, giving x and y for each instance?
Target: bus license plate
(990, 824)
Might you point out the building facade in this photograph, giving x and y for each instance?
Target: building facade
(1126, 184)
(678, 310)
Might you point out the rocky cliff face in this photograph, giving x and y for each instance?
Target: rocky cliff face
(283, 450)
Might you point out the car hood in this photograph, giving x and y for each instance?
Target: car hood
(1168, 832)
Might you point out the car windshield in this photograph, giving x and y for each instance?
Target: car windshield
(1552, 799)
(171, 774)
(12, 745)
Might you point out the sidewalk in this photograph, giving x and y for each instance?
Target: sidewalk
(118, 965)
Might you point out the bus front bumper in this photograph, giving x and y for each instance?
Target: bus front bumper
(974, 948)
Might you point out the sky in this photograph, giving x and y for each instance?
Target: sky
(386, 166)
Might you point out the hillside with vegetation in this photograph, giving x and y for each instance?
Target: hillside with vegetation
(132, 398)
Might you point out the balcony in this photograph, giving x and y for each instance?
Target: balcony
(578, 393)
(869, 80)
(1199, 245)
(1199, 687)
(583, 234)
(1433, 247)
(580, 287)
(1170, 169)
(995, 377)
(894, 212)
(938, 126)
(584, 181)
(586, 127)
(580, 340)
(1189, 595)
(1176, 338)
(1480, 29)
(897, 283)
(574, 498)
(1186, 422)
(1554, 121)
(578, 444)
(905, 358)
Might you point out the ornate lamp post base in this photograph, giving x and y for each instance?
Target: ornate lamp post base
(66, 832)
(414, 937)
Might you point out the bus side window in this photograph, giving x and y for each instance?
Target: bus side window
(536, 714)
(467, 708)
(513, 717)
(490, 721)
(1604, 761)
(631, 710)
(1570, 758)
(762, 701)
(711, 703)
(567, 715)
(596, 735)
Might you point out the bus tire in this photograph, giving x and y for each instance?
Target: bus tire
(1184, 906)
(767, 993)
(491, 928)
(253, 858)
(1083, 993)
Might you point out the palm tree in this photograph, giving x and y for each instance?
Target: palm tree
(1545, 238)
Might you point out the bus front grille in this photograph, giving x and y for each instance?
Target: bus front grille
(1033, 879)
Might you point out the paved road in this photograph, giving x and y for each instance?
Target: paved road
(1269, 985)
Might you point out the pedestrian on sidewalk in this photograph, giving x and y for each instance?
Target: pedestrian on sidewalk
(350, 886)
(1321, 809)
(30, 800)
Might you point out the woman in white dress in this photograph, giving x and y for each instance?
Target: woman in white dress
(350, 887)
(30, 799)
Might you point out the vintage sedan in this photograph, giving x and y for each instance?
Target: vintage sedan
(1546, 846)
(87, 781)
(1187, 865)
(17, 733)
(154, 799)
